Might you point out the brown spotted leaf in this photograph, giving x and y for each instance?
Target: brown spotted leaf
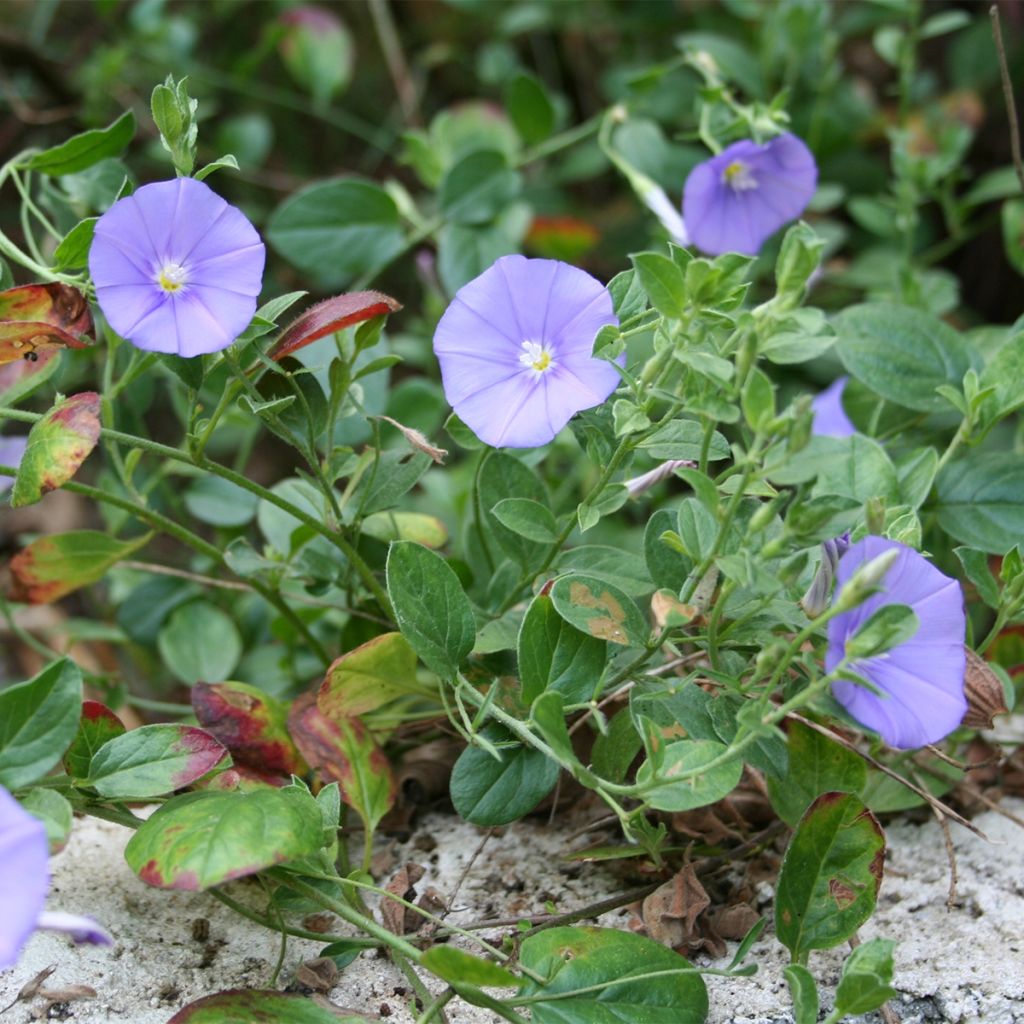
(53, 566)
(251, 724)
(330, 316)
(35, 318)
(57, 445)
(830, 875)
(344, 751)
(599, 609)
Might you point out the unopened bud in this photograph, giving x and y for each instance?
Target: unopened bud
(647, 480)
(866, 579)
(815, 601)
(769, 659)
(984, 691)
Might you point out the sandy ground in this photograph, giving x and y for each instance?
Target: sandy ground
(962, 966)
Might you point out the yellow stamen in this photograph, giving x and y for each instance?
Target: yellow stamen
(172, 277)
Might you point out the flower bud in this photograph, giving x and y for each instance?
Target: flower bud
(865, 580)
(984, 691)
(815, 601)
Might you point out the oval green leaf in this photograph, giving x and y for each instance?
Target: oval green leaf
(981, 501)
(697, 790)
(199, 642)
(199, 840)
(599, 964)
(599, 609)
(830, 875)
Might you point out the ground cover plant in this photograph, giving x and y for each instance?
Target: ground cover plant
(634, 407)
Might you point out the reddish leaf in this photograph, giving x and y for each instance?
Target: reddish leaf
(561, 238)
(332, 315)
(344, 750)
(368, 676)
(37, 317)
(251, 724)
(57, 445)
(51, 567)
(97, 725)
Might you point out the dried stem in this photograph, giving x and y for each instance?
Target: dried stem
(1011, 106)
(951, 897)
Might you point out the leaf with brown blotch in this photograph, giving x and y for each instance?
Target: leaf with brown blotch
(329, 316)
(251, 724)
(344, 750)
(37, 317)
(984, 691)
(671, 911)
(57, 445)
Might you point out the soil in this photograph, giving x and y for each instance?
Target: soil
(961, 965)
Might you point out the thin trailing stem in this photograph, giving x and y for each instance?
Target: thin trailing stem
(1011, 106)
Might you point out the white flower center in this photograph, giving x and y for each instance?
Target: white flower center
(537, 357)
(739, 177)
(172, 277)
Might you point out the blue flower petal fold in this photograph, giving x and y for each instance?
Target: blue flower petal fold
(736, 200)
(830, 419)
(515, 350)
(921, 680)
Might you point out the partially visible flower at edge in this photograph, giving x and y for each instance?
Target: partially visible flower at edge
(830, 419)
(515, 350)
(11, 451)
(177, 268)
(660, 205)
(921, 679)
(736, 200)
(815, 601)
(24, 880)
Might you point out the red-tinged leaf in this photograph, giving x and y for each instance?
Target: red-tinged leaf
(97, 725)
(51, 567)
(15, 378)
(332, 315)
(561, 238)
(242, 779)
(37, 317)
(252, 1006)
(153, 760)
(199, 840)
(369, 676)
(345, 752)
(57, 445)
(251, 724)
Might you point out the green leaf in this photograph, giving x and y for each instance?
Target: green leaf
(902, 354)
(804, 993)
(368, 677)
(530, 108)
(200, 642)
(981, 501)
(489, 792)
(96, 725)
(830, 875)
(663, 281)
(54, 811)
(478, 187)
(504, 476)
(227, 160)
(603, 961)
(816, 765)
(200, 840)
(84, 150)
(415, 526)
(888, 627)
(976, 568)
(38, 719)
(527, 518)
(57, 445)
(683, 439)
(53, 566)
(599, 609)
(554, 655)
(799, 257)
(246, 1006)
(219, 502)
(153, 760)
(454, 965)
(696, 791)
(867, 977)
(1012, 216)
(465, 251)
(336, 230)
(758, 399)
(73, 251)
(431, 609)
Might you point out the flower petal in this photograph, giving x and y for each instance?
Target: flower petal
(24, 878)
(830, 419)
(80, 929)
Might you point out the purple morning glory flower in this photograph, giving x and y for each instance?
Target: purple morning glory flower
(515, 350)
(734, 201)
(11, 451)
(830, 419)
(176, 268)
(922, 679)
(24, 880)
